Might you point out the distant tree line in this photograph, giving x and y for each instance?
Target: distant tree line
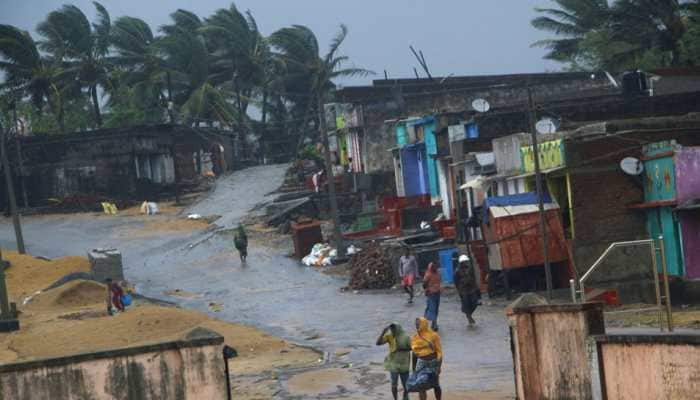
(617, 35)
(81, 74)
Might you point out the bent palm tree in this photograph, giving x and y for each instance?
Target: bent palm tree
(299, 49)
(309, 76)
(81, 48)
(187, 60)
(27, 73)
(650, 25)
(140, 64)
(572, 22)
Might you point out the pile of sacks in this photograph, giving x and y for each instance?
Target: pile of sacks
(321, 255)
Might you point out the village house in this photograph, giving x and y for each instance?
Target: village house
(126, 163)
(454, 158)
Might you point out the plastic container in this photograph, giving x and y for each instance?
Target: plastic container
(446, 266)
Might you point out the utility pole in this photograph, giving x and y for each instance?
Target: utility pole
(540, 194)
(11, 192)
(18, 147)
(338, 239)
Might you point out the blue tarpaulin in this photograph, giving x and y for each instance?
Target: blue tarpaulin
(511, 200)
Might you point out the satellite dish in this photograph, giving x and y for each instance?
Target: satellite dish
(631, 166)
(547, 125)
(481, 105)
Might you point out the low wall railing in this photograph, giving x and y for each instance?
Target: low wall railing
(580, 293)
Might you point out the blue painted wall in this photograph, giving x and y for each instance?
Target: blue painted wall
(431, 150)
(415, 170)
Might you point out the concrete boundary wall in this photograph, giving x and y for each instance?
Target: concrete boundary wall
(192, 368)
(657, 366)
(549, 349)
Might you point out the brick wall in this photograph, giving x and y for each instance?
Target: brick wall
(602, 194)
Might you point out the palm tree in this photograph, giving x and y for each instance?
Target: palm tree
(234, 42)
(300, 51)
(140, 68)
(27, 73)
(187, 62)
(650, 25)
(81, 47)
(572, 22)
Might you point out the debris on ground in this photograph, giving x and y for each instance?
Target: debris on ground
(321, 255)
(372, 268)
(216, 307)
(149, 208)
(292, 210)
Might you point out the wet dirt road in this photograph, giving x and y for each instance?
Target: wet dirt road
(275, 293)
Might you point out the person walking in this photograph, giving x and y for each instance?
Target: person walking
(408, 270)
(240, 240)
(427, 359)
(397, 362)
(431, 285)
(467, 287)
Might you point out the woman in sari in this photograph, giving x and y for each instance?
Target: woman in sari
(427, 358)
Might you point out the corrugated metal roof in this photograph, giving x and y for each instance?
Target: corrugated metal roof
(508, 211)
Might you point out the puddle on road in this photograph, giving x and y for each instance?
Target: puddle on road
(322, 382)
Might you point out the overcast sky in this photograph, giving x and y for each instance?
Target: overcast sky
(461, 37)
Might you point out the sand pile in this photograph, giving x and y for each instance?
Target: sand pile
(46, 334)
(74, 294)
(28, 274)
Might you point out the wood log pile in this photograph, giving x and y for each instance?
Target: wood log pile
(372, 268)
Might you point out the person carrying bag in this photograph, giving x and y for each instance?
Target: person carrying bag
(427, 361)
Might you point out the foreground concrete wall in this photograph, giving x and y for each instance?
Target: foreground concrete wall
(549, 349)
(181, 370)
(649, 366)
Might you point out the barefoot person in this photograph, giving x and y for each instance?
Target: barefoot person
(431, 285)
(397, 362)
(240, 240)
(408, 270)
(427, 359)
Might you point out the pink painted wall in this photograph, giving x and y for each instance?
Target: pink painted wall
(634, 371)
(687, 162)
(184, 373)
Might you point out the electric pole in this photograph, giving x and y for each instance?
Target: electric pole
(338, 237)
(11, 193)
(540, 194)
(8, 311)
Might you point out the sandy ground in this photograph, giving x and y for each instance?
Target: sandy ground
(683, 317)
(28, 274)
(72, 319)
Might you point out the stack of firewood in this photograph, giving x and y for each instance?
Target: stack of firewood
(372, 269)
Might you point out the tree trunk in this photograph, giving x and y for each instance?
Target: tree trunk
(11, 194)
(338, 238)
(304, 124)
(171, 105)
(264, 113)
(96, 105)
